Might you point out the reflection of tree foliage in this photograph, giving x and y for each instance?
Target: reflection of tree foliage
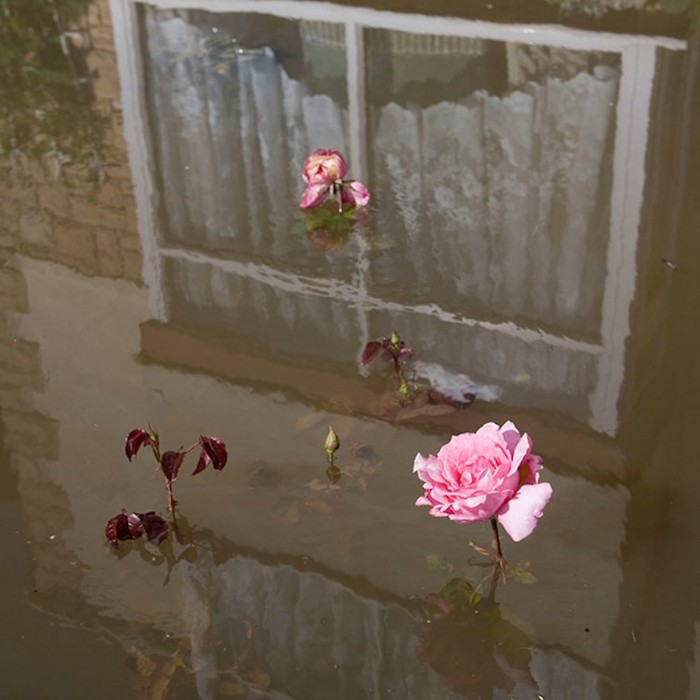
(599, 7)
(690, 7)
(45, 92)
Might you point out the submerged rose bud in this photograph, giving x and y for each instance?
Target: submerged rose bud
(332, 443)
(324, 166)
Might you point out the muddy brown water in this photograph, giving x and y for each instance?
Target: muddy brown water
(533, 235)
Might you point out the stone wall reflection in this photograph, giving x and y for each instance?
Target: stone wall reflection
(77, 209)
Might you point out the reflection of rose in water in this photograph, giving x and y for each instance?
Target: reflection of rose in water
(327, 239)
(330, 230)
(471, 647)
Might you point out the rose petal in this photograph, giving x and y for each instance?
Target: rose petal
(529, 469)
(419, 464)
(355, 193)
(520, 515)
(315, 195)
(510, 434)
(521, 451)
(487, 429)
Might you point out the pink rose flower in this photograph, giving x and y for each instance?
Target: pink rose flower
(324, 166)
(488, 474)
(323, 174)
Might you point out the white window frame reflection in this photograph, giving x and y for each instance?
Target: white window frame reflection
(638, 60)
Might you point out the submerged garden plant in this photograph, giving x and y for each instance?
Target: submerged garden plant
(212, 451)
(392, 350)
(488, 475)
(131, 526)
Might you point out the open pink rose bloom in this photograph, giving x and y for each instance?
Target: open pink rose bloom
(490, 473)
(323, 174)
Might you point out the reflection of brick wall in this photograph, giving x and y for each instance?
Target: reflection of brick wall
(62, 212)
(26, 431)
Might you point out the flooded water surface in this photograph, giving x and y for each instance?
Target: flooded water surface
(532, 236)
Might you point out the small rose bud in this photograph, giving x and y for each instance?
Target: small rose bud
(404, 389)
(332, 443)
(395, 339)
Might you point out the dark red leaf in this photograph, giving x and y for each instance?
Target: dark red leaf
(155, 527)
(213, 452)
(123, 527)
(170, 463)
(202, 463)
(371, 350)
(135, 440)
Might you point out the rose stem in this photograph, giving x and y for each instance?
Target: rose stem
(494, 583)
(494, 526)
(499, 551)
(339, 191)
(501, 563)
(171, 498)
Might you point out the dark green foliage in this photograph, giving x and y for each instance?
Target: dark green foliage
(45, 89)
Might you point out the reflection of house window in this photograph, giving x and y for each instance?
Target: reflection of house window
(516, 189)
(503, 194)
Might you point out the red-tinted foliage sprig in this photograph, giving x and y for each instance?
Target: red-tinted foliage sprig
(212, 451)
(392, 350)
(130, 526)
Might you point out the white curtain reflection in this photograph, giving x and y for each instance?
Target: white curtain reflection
(497, 199)
(232, 132)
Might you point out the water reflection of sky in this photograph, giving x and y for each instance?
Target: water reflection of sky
(511, 240)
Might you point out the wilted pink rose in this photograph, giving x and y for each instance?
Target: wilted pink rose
(324, 166)
(315, 195)
(323, 174)
(355, 193)
(490, 473)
